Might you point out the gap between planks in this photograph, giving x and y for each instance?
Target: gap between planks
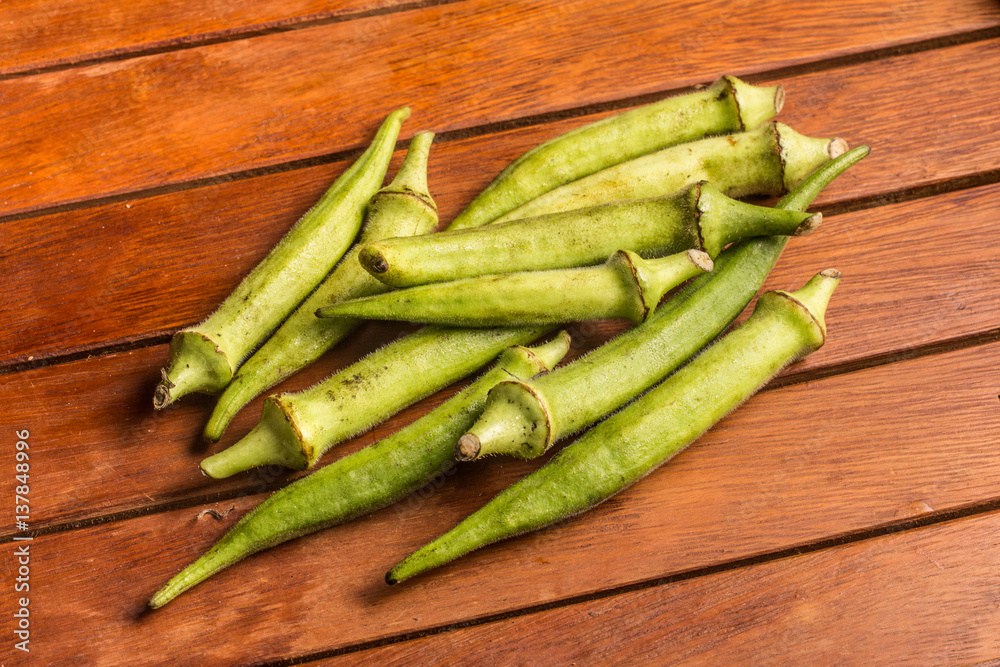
(222, 36)
(919, 192)
(937, 347)
(818, 66)
(854, 537)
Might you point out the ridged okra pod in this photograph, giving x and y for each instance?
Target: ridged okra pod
(767, 161)
(367, 480)
(657, 226)
(525, 418)
(632, 443)
(626, 286)
(296, 429)
(402, 208)
(729, 105)
(204, 357)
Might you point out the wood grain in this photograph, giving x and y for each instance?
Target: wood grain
(928, 287)
(168, 118)
(142, 268)
(41, 35)
(922, 597)
(793, 466)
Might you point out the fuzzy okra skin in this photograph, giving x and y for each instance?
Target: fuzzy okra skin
(402, 208)
(524, 419)
(296, 429)
(728, 105)
(634, 442)
(626, 286)
(768, 161)
(660, 225)
(204, 357)
(367, 480)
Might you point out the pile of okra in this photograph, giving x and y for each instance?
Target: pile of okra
(641, 216)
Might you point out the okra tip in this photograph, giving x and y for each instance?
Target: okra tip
(373, 260)
(809, 225)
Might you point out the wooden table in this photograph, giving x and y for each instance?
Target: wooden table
(151, 153)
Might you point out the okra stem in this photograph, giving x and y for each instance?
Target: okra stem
(632, 443)
(525, 419)
(402, 208)
(699, 216)
(296, 429)
(367, 480)
(729, 105)
(204, 357)
(626, 286)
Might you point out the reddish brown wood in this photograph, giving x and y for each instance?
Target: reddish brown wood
(792, 466)
(42, 35)
(797, 466)
(922, 597)
(128, 270)
(943, 293)
(168, 118)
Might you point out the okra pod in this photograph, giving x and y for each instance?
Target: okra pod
(652, 227)
(402, 208)
(296, 429)
(767, 161)
(626, 286)
(524, 419)
(729, 105)
(368, 480)
(204, 357)
(632, 443)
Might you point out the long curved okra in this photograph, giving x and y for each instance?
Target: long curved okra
(204, 357)
(626, 286)
(402, 208)
(644, 435)
(525, 418)
(296, 429)
(729, 105)
(781, 155)
(367, 480)
(762, 162)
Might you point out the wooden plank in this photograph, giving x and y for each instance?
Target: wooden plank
(797, 465)
(164, 262)
(41, 35)
(173, 117)
(921, 597)
(944, 294)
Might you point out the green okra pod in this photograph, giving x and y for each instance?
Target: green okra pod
(204, 357)
(402, 208)
(729, 105)
(296, 429)
(657, 226)
(626, 286)
(767, 161)
(368, 480)
(632, 443)
(525, 418)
